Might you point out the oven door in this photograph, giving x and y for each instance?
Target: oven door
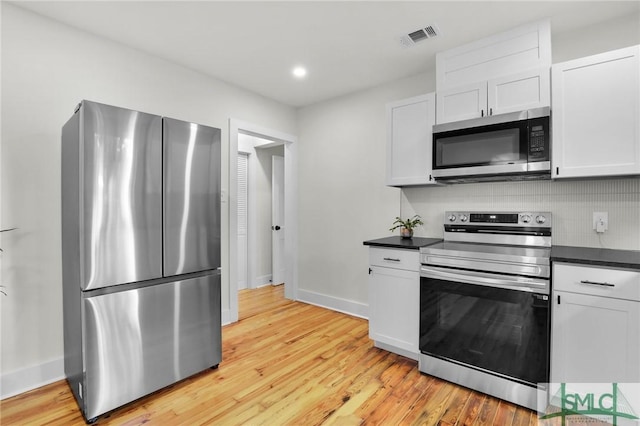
(499, 329)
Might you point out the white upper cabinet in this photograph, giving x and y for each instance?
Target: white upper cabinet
(517, 92)
(461, 103)
(409, 124)
(596, 115)
(509, 93)
(503, 73)
(520, 49)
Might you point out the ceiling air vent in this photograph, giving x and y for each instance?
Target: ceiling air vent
(412, 38)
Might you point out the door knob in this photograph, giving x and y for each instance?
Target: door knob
(276, 228)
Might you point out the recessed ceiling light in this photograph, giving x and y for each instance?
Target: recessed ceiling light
(299, 72)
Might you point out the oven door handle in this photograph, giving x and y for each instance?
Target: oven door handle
(532, 285)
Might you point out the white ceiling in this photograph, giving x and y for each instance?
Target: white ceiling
(346, 45)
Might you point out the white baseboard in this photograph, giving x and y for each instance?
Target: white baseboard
(226, 317)
(29, 378)
(262, 281)
(242, 285)
(396, 350)
(351, 307)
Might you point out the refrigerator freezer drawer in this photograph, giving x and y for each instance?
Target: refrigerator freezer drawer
(141, 340)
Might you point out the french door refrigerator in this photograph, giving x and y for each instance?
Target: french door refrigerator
(140, 253)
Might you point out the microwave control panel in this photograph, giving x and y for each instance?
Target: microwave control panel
(539, 139)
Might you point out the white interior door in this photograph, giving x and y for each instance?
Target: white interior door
(243, 209)
(277, 220)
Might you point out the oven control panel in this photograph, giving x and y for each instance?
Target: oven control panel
(522, 219)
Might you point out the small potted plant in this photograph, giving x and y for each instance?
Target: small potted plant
(406, 226)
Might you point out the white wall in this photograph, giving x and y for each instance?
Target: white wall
(343, 200)
(610, 35)
(47, 68)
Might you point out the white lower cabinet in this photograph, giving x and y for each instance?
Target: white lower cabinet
(595, 323)
(394, 300)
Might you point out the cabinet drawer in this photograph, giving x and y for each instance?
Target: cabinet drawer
(395, 258)
(597, 281)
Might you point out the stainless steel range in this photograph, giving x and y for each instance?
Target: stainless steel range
(485, 303)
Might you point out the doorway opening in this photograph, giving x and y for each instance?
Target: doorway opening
(261, 145)
(260, 200)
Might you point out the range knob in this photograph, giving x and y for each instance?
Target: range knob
(526, 218)
(463, 218)
(541, 219)
(452, 218)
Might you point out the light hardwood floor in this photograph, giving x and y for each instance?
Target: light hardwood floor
(288, 363)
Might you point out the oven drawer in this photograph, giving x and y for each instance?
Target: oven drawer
(597, 281)
(395, 258)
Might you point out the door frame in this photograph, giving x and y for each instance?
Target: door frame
(290, 211)
(277, 255)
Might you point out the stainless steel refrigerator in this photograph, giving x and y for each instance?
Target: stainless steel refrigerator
(140, 253)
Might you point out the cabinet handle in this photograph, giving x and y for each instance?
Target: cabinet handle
(490, 111)
(481, 113)
(391, 259)
(597, 283)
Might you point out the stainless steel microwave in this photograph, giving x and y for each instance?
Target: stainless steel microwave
(513, 146)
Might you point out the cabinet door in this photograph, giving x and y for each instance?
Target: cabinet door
(519, 49)
(596, 115)
(518, 92)
(409, 141)
(594, 339)
(394, 302)
(462, 103)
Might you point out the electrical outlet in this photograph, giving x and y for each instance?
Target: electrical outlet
(600, 221)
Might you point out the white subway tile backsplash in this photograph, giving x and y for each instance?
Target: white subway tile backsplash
(571, 203)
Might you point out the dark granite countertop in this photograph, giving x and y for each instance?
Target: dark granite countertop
(596, 256)
(404, 243)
